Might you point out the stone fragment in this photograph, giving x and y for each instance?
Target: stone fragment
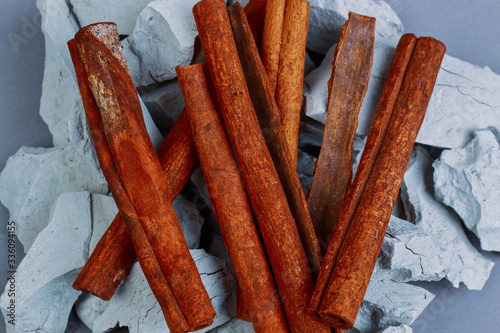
(202, 197)
(326, 19)
(134, 305)
(467, 180)
(465, 98)
(398, 329)
(305, 169)
(309, 65)
(434, 245)
(123, 13)
(165, 104)
(59, 87)
(44, 296)
(163, 38)
(235, 325)
(33, 179)
(89, 307)
(190, 219)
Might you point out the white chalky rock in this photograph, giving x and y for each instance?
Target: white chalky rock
(235, 325)
(190, 219)
(163, 38)
(43, 280)
(398, 329)
(59, 88)
(89, 307)
(135, 306)
(467, 180)
(165, 104)
(326, 19)
(465, 98)
(33, 179)
(435, 246)
(123, 13)
(388, 303)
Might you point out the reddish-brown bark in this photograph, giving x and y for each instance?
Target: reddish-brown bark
(255, 11)
(269, 203)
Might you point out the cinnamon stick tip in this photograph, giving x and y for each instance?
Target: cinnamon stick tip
(364, 18)
(96, 27)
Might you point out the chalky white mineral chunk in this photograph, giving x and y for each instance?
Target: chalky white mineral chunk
(467, 180)
(235, 325)
(59, 88)
(398, 329)
(190, 219)
(163, 38)
(33, 179)
(326, 19)
(135, 306)
(123, 13)
(43, 280)
(436, 247)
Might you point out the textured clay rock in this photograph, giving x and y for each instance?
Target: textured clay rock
(398, 329)
(123, 13)
(435, 245)
(235, 325)
(465, 98)
(59, 88)
(165, 104)
(33, 179)
(43, 280)
(305, 168)
(467, 180)
(89, 308)
(190, 219)
(134, 305)
(163, 38)
(327, 17)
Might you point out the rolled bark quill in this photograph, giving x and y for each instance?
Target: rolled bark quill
(255, 11)
(356, 260)
(269, 120)
(268, 200)
(114, 254)
(347, 87)
(140, 171)
(291, 71)
(230, 204)
(383, 113)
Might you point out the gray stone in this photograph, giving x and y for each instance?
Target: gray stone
(305, 169)
(202, 197)
(398, 329)
(59, 88)
(134, 305)
(326, 19)
(235, 325)
(465, 98)
(123, 13)
(165, 104)
(190, 219)
(163, 38)
(33, 179)
(467, 179)
(44, 296)
(309, 65)
(434, 245)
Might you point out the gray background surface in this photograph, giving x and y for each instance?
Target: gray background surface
(469, 29)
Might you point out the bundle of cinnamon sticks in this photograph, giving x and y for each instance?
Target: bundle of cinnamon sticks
(248, 102)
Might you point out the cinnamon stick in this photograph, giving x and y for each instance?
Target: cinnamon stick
(271, 40)
(291, 71)
(139, 169)
(255, 11)
(270, 124)
(378, 129)
(230, 204)
(347, 88)
(364, 239)
(114, 254)
(268, 200)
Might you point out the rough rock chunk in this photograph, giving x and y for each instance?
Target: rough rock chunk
(163, 38)
(165, 104)
(33, 179)
(134, 305)
(327, 17)
(305, 168)
(123, 13)
(89, 308)
(235, 325)
(465, 98)
(43, 280)
(190, 219)
(435, 245)
(467, 180)
(398, 329)
(59, 88)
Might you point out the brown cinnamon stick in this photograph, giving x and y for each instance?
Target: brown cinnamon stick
(114, 254)
(270, 124)
(271, 40)
(269, 203)
(230, 204)
(364, 239)
(291, 71)
(255, 11)
(378, 129)
(139, 168)
(347, 88)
